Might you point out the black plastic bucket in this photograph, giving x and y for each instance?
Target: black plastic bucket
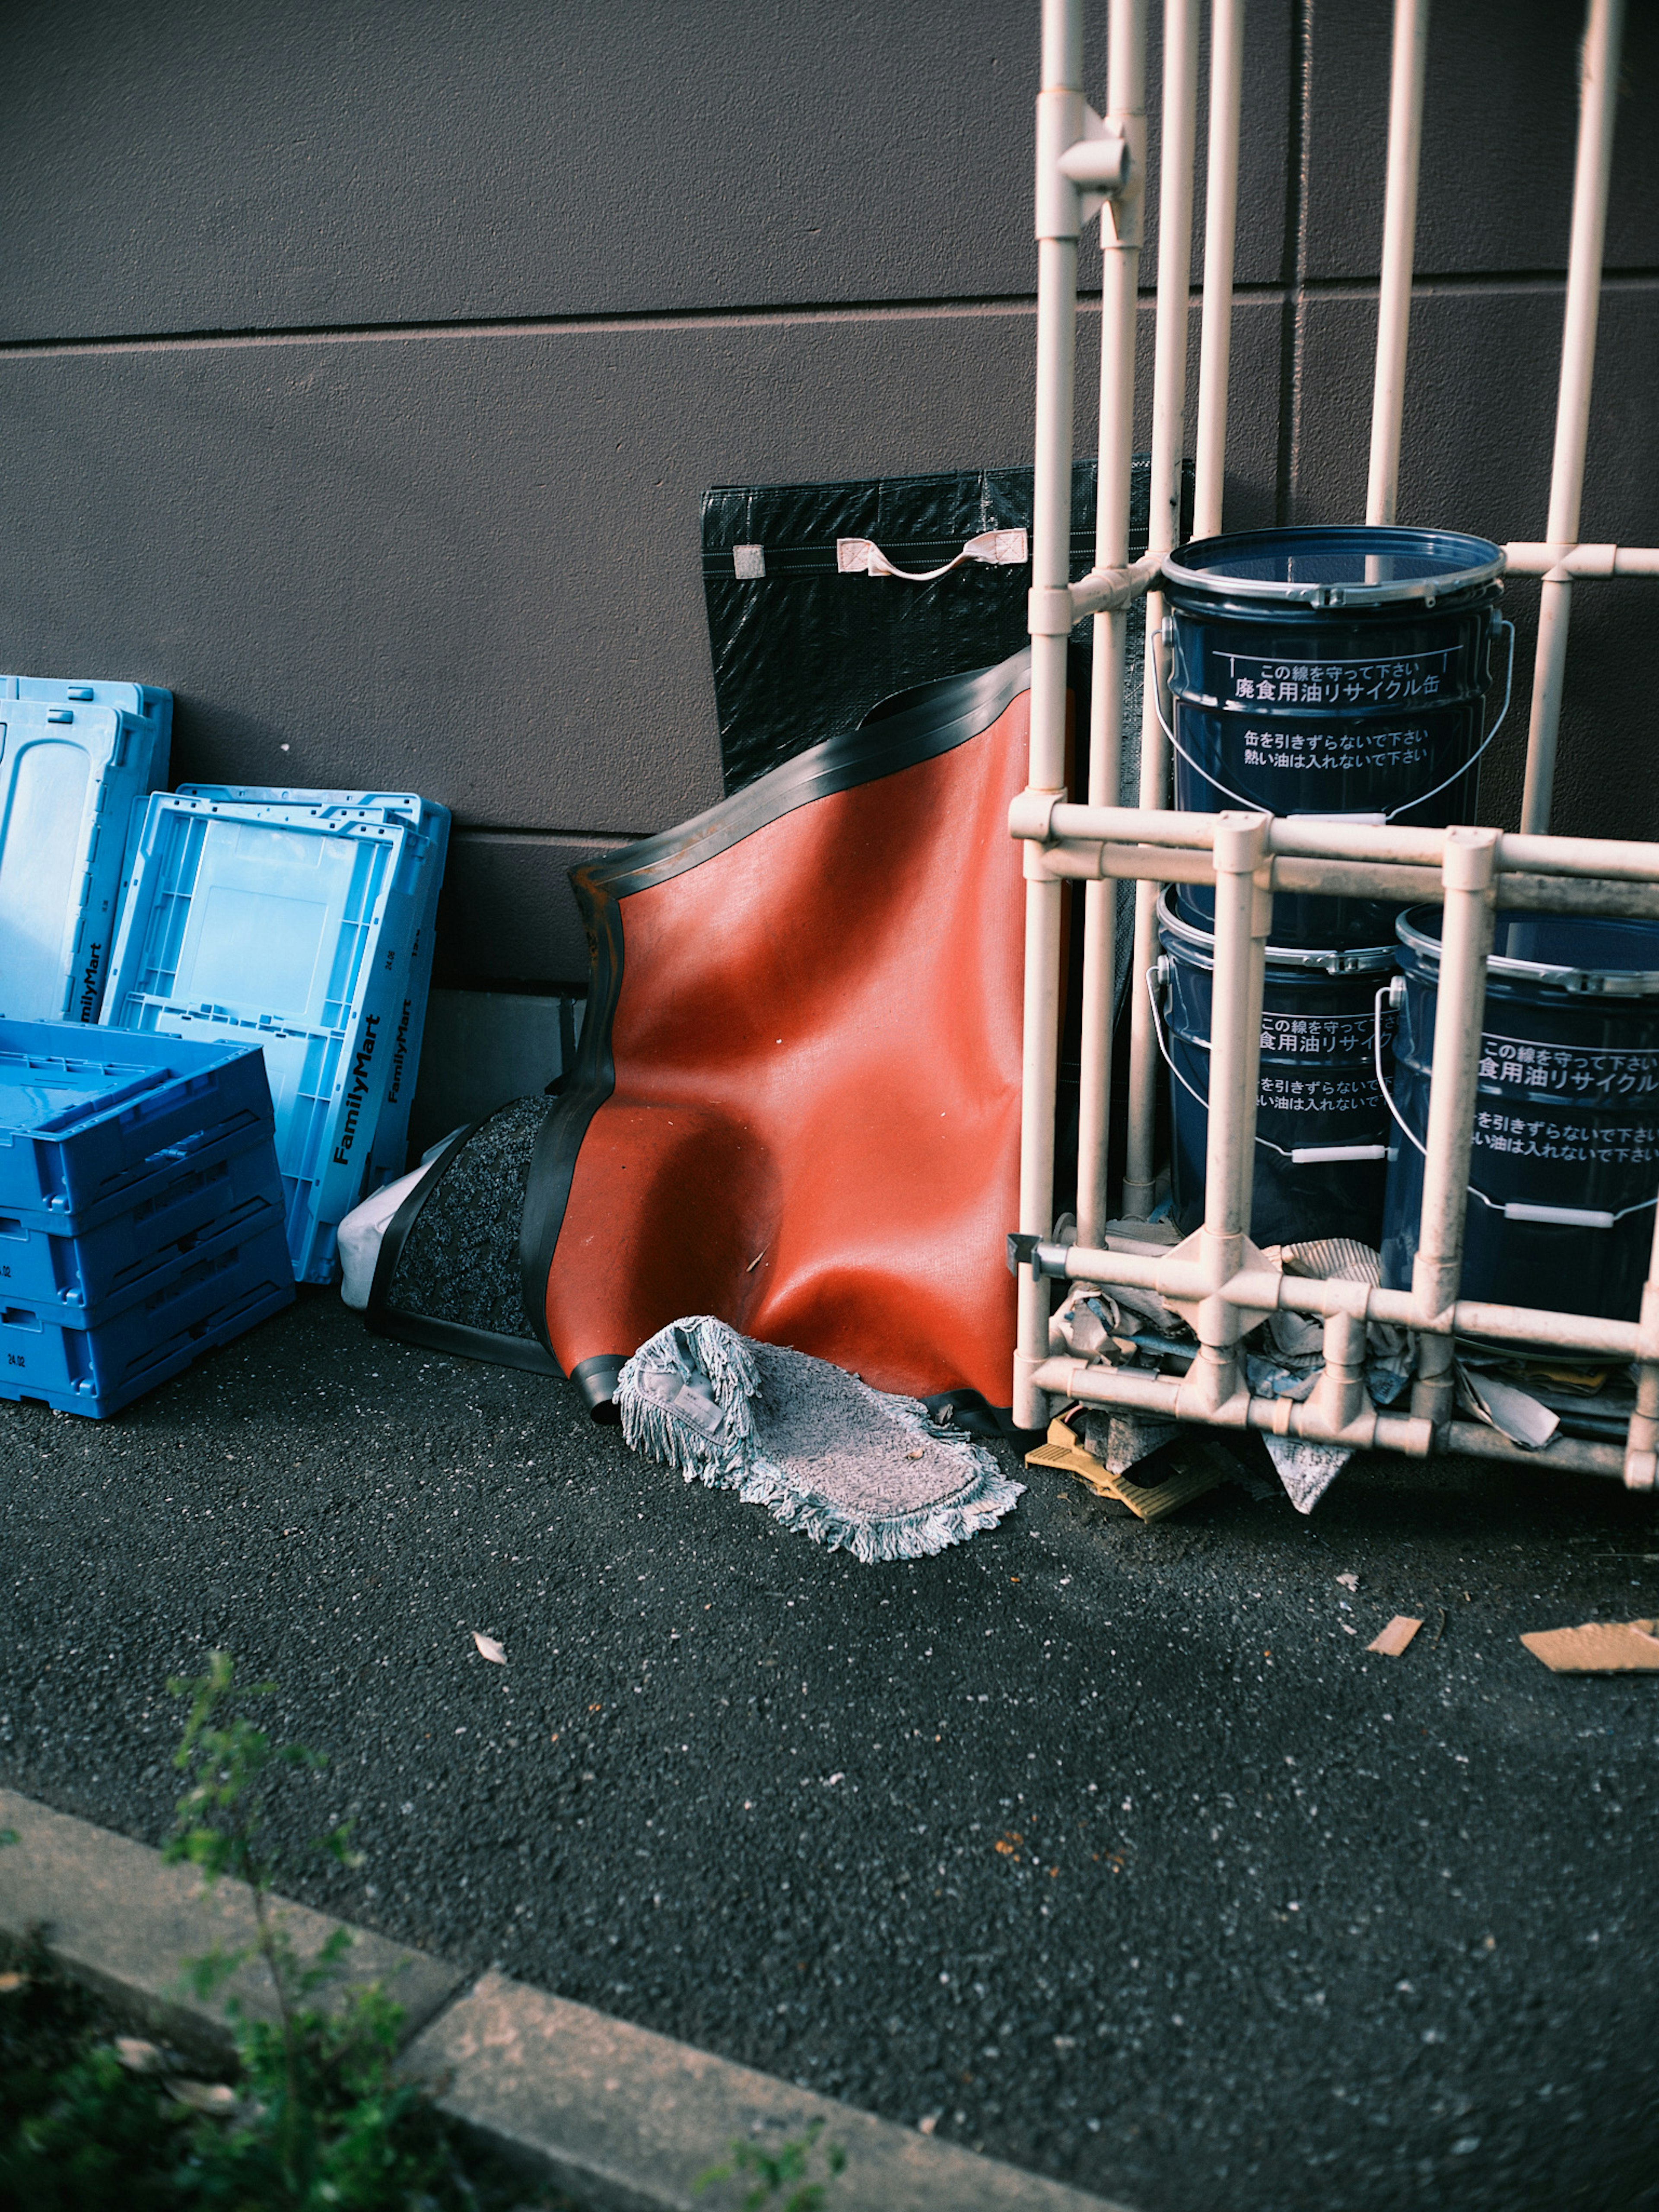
(1322, 1126)
(1331, 672)
(1565, 1164)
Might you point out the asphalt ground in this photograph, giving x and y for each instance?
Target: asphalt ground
(1104, 1847)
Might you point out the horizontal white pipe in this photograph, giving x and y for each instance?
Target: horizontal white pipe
(1103, 589)
(1545, 559)
(1263, 1292)
(1175, 1396)
(1077, 860)
(1297, 836)
(1576, 1455)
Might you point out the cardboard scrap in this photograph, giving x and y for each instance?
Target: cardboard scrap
(1600, 1647)
(1205, 1468)
(1395, 1637)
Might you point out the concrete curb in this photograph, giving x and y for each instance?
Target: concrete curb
(123, 1922)
(615, 2114)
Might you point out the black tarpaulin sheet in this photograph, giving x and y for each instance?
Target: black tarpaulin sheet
(802, 652)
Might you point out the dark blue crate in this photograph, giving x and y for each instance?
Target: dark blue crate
(82, 1281)
(91, 1124)
(98, 1371)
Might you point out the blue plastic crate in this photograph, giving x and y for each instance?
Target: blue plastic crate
(69, 775)
(82, 1280)
(92, 1125)
(430, 821)
(148, 702)
(98, 1371)
(271, 925)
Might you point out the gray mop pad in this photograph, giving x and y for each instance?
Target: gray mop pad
(853, 1467)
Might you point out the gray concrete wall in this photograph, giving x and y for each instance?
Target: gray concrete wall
(362, 366)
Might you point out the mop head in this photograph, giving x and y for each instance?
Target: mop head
(852, 1468)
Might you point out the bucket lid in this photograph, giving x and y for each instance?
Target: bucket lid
(1346, 565)
(1583, 954)
(1200, 945)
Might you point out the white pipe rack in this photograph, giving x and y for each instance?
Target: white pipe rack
(1089, 164)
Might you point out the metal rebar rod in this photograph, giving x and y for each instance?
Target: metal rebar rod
(1220, 229)
(1393, 302)
(1466, 936)
(1174, 258)
(1597, 98)
(1121, 234)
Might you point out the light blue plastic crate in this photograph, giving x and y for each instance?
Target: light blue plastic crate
(429, 821)
(148, 702)
(83, 1280)
(271, 927)
(98, 1371)
(93, 1124)
(69, 775)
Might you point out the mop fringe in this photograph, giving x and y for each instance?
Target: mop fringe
(715, 1371)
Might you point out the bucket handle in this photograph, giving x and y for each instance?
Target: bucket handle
(1300, 1156)
(1254, 805)
(1515, 1209)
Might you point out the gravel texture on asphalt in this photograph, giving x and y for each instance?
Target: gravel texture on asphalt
(1104, 1846)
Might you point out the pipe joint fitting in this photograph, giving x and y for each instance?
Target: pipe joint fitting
(1470, 859)
(1241, 841)
(1050, 611)
(1059, 124)
(1641, 1470)
(1031, 814)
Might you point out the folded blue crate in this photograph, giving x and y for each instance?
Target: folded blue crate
(274, 926)
(92, 1125)
(149, 703)
(69, 777)
(429, 821)
(98, 1371)
(85, 1280)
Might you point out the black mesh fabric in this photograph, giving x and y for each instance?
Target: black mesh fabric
(802, 652)
(459, 1261)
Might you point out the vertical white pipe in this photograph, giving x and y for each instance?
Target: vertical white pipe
(1121, 232)
(1058, 220)
(1465, 935)
(1241, 925)
(1175, 264)
(1394, 304)
(1220, 227)
(1597, 95)
(1642, 1441)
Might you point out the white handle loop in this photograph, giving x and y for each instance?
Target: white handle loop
(1257, 806)
(996, 549)
(1515, 1209)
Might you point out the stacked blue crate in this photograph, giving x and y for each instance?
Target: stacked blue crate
(141, 1210)
(72, 770)
(295, 927)
(430, 822)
